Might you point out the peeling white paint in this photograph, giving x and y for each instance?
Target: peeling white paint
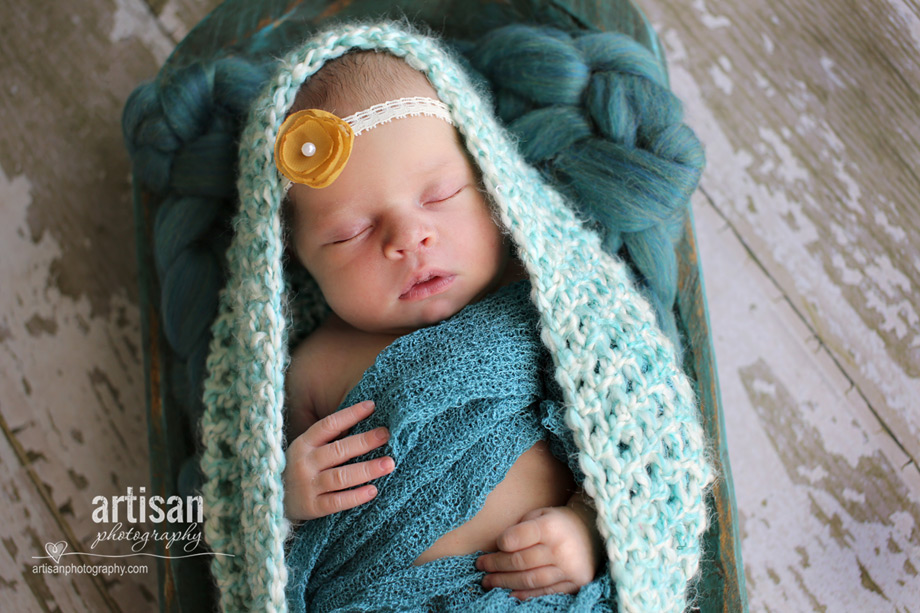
(169, 17)
(63, 365)
(789, 169)
(796, 516)
(14, 193)
(721, 80)
(799, 96)
(851, 186)
(907, 19)
(897, 234)
(830, 139)
(768, 226)
(853, 495)
(768, 45)
(133, 20)
(840, 234)
(888, 277)
(672, 42)
(904, 523)
(849, 276)
(764, 84)
(764, 387)
(709, 20)
(806, 123)
(828, 65)
(783, 511)
(813, 473)
(899, 318)
(860, 258)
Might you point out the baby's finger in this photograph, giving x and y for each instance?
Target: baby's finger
(532, 557)
(340, 451)
(532, 579)
(565, 587)
(336, 424)
(345, 477)
(327, 504)
(520, 536)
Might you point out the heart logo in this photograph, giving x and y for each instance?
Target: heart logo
(55, 550)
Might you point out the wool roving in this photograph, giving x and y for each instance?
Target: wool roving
(631, 409)
(592, 111)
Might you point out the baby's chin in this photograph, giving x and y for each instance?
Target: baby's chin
(400, 326)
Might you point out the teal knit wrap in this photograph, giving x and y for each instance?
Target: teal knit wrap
(462, 400)
(631, 409)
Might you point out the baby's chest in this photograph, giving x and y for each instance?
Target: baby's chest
(339, 383)
(338, 367)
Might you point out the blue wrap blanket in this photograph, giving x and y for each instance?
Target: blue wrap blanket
(463, 400)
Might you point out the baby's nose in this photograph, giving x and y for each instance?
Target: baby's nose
(408, 236)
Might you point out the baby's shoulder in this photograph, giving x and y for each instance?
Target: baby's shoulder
(328, 363)
(339, 345)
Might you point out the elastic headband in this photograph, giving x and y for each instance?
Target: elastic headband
(313, 145)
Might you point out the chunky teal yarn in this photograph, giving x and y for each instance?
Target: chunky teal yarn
(591, 110)
(181, 130)
(630, 408)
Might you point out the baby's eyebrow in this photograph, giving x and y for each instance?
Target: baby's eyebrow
(433, 166)
(325, 218)
(333, 223)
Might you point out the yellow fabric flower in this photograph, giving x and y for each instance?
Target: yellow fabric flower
(312, 147)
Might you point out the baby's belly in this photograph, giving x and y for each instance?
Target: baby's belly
(537, 479)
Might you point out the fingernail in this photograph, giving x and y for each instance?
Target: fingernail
(387, 463)
(369, 405)
(383, 434)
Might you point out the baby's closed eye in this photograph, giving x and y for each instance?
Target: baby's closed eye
(445, 195)
(348, 235)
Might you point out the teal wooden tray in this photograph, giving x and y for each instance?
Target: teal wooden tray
(246, 28)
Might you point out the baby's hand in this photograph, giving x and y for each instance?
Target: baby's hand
(551, 550)
(315, 482)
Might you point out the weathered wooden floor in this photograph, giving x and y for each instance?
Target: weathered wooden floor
(809, 228)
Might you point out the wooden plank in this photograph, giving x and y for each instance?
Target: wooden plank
(809, 238)
(828, 515)
(27, 581)
(809, 114)
(71, 379)
(71, 390)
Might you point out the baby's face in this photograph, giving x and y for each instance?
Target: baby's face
(403, 238)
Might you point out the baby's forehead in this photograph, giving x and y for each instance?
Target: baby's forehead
(358, 80)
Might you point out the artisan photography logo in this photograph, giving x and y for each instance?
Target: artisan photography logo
(137, 520)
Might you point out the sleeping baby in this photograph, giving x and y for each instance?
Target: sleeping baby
(428, 456)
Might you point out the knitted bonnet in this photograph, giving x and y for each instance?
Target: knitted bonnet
(630, 407)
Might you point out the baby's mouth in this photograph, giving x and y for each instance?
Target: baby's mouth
(427, 284)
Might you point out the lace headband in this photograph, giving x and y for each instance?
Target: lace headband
(313, 146)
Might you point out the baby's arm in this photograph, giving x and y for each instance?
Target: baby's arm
(315, 482)
(551, 550)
